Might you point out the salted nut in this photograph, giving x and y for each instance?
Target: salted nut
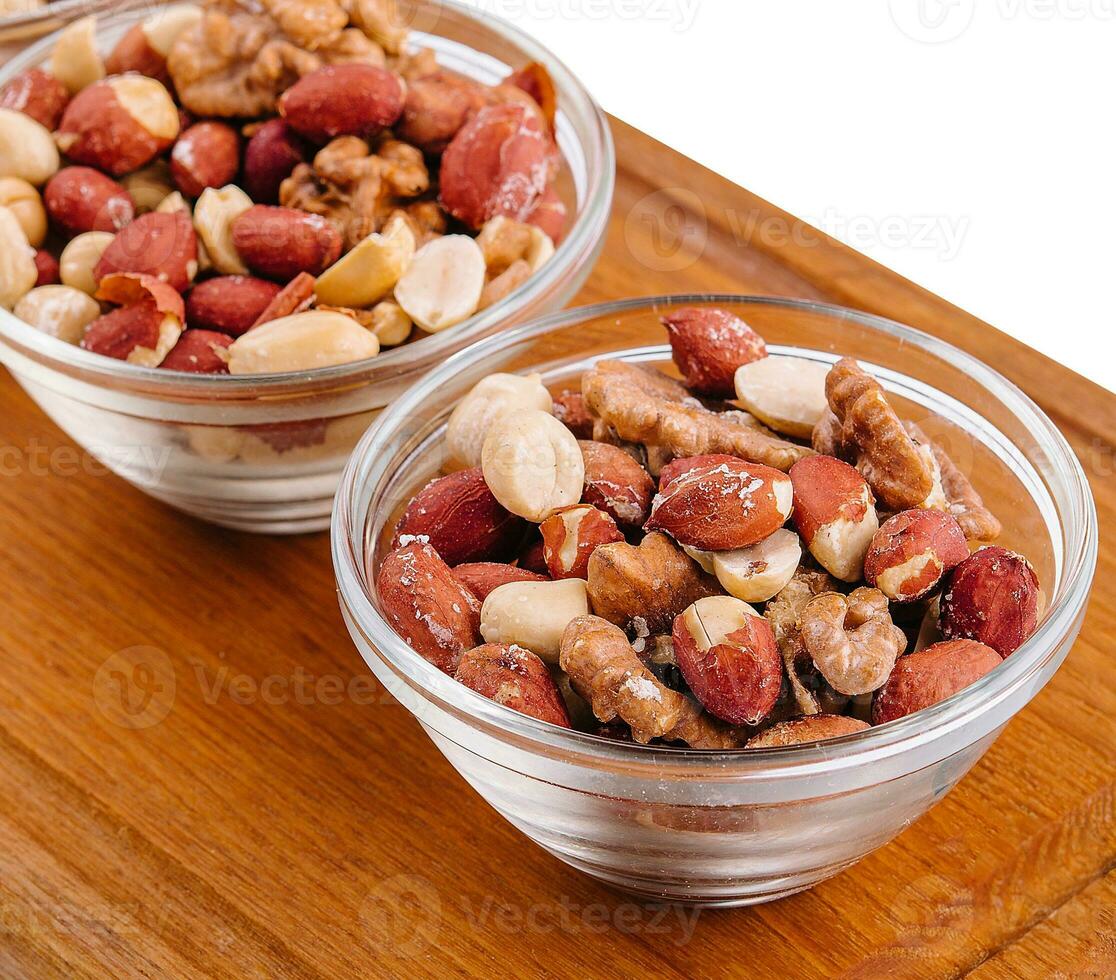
(533, 615)
(761, 571)
(490, 400)
(740, 605)
(785, 393)
(301, 342)
(371, 270)
(533, 464)
(442, 286)
(18, 272)
(852, 640)
(835, 514)
(304, 145)
(59, 311)
(27, 150)
(76, 60)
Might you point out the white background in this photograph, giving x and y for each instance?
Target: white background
(967, 144)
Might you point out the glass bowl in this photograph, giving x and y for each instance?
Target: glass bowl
(265, 452)
(744, 826)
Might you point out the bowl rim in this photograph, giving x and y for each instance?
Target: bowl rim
(577, 246)
(878, 742)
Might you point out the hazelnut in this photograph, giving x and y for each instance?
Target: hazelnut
(992, 597)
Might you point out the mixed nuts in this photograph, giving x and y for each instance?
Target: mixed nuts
(310, 189)
(763, 554)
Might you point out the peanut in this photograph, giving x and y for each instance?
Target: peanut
(785, 393)
(80, 258)
(489, 400)
(443, 284)
(533, 615)
(18, 272)
(27, 149)
(24, 202)
(214, 214)
(76, 61)
(301, 343)
(59, 311)
(390, 324)
(371, 270)
(533, 464)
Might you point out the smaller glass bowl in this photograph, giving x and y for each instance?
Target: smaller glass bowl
(264, 452)
(739, 827)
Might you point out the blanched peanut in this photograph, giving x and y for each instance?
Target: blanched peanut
(503, 241)
(534, 615)
(59, 311)
(18, 271)
(541, 249)
(533, 465)
(301, 343)
(80, 258)
(76, 61)
(27, 149)
(163, 28)
(24, 202)
(785, 393)
(371, 270)
(760, 572)
(390, 324)
(214, 214)
(490, 400)
(443, 284)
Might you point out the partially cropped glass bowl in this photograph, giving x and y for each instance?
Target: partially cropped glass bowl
(265, 452)
(744, 826)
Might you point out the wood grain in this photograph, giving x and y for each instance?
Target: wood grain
(280, 816)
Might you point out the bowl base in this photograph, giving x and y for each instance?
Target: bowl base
(255, 517)
(719, 894)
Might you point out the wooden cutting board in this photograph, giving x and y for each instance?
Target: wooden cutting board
(280, 816)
